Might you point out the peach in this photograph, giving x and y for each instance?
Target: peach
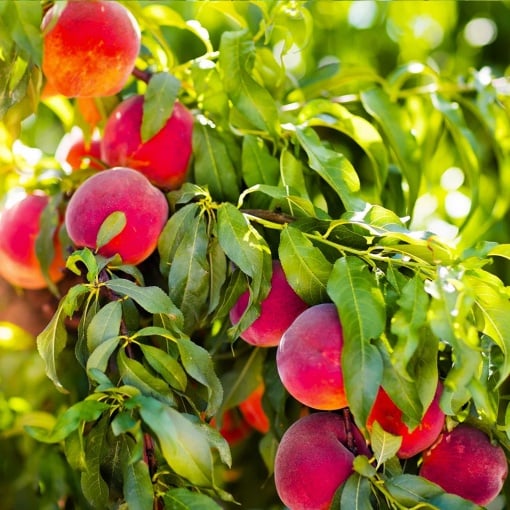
(234, 427)
(277, 312)
(314, 458)
(465, 462)
(90, 48)
(414, 441)
(73, 152)
(118, 189)
(253, 412)
(308, 358)
(20, 226)
(164, 158)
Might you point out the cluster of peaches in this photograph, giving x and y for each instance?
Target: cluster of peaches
(316, 453)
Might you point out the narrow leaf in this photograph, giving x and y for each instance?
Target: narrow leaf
(104, 325)
(112, 226)
(305, 266)
(360, 304)
(184, 499)
(159, 98)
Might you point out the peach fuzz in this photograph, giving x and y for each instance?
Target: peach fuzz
(277, 312)
(253, 412)
(465, 462)
(164, 158)
(314, 458)
(118, 189)
(20, 226)
(390, 418)
(90, 48)
(308, 358)
(74, 152)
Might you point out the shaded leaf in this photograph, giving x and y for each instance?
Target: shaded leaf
(184, 499)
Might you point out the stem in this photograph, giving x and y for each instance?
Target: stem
(142, 75)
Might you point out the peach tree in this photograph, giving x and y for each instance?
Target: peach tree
(254, 254)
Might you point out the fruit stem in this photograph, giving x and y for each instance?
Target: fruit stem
(142, 75)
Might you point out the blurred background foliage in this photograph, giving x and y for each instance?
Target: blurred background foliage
(330, 49)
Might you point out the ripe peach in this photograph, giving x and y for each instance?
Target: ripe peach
(278, 310)
(73, 152)
(308, 358)
(389, 416)
(253, 412)
(233, 428)
(465, 462)
(164, 158)
(118, 189)
(20, 226)
(90, 48)
(314, 458)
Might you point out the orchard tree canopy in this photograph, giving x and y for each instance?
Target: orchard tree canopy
(254, 254)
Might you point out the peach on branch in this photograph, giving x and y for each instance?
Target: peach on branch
(20, 226)
(89, 48)
(253, 412)
(465, 462)
(390, 418)
(164, 158)
(277, 312)
(308, 358)
(314, 458)
(118, 190)
(74, 152)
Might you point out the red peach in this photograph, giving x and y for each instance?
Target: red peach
(465, 462)
(118, 189)
(253, 412)
(277, 312)
(233, 428)
(389, 417)
(90, 48)
(308, 358)
(314, 458)
(20, 226)
(164, 158)
(73, 152)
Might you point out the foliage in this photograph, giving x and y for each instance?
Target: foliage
(379, 178)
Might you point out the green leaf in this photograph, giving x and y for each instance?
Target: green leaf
(152, 298)
(333, 167)
(213, 165)
(354, 290)
(93, 485)
(104, 325)
(259, 166)
(184, 499)
(137, 483)
(87, 258)
(135, 374)
(111, 227)
(166, 366)
(188, 279)
(183, 443)
(410, 490)
(491, 301)
(173, 233)
(407, 322)
(248, 250)
(355, 494)
(69, 421)
(51, 342)
(254, 102)
(397, 129)
(305, 266)
(45, 240)
(199, 364)
(321, 112)
(452, 502)
(159, 99)
(384, 445)
(217, 272)
(100, 356)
